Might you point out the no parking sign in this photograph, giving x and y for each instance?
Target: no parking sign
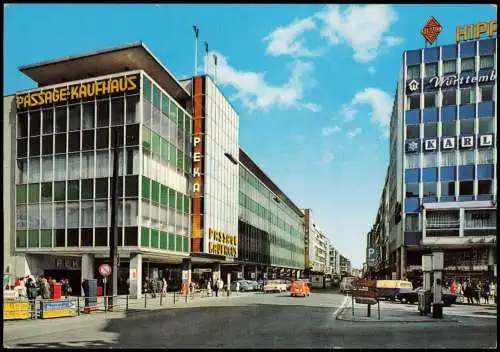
(105, 270)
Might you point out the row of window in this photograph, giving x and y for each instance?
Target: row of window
(165, 196)
(414, 205)
(62, 143)
(86, 116)
(464, 188)
(450, 128)
(98, 237)
(451, 158)
(449, 173)
(76, 166)
(60, 191)
(165, 151)
(448, 97)
(431, 69)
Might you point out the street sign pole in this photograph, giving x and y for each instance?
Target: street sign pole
(114, 224)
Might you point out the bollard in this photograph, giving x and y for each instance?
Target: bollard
(369, 313)
(145, 300)
(126, 304)
(161, 298)
(186, 297)
(105, 304)
(174, 297)
(78, 306)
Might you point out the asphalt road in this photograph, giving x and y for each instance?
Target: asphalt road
(275, 320)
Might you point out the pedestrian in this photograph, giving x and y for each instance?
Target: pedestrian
(45, 289)
(493, 291)
(216, 288)
(164, 288)
(191, 289)
(159, 286)
(237, 287)
(485, 292)
(209, 288)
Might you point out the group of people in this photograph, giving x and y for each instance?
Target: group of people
(154, 286)
(474, 291)
(32, 287)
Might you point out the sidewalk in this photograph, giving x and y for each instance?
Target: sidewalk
(386, 315)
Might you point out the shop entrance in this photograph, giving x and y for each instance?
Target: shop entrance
(74, 277)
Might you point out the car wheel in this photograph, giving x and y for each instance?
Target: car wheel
(403, 300)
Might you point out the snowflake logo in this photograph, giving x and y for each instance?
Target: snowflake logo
(413, 85)
(412, 146)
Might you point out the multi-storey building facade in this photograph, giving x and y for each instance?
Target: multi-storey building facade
(442, 172)
(316, 245)
(345, 266)
(334, 256)
(271, 226)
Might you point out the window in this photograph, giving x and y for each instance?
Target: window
(431, 69)
(88, 112)
(73, 141)
(448, 159)
(486, 61)
(47, 172)
(102, 164)
(447, 188)
(485, 93)
(47, 145)
(61, 120)
(466, 188)
(449, 66)
(34, 167)
(467, 96)
(429, 160)
(430, 100)
(486, 125)
(87, 216)
(102, 138)
(413, 71)
(101, 188)
(466, 157)
(448, 128)
(117, 112)
(414, 101)
(430, 189)
(35, 122)
(22, 125)
(430, 130)
(101, 213)
(74, 117)
(412, 190)
(412, 161)
(484, 187)
(73, 215)
(467, 127)
(34, 146)
(468, 65)
(132, 109)
(449, 97)
(102, 113)
(485, 156)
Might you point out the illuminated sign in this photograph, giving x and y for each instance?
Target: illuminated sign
(198, 164)
(474, 31)
(77, 91)
(221, 243)
(431, 30)
(449, 143)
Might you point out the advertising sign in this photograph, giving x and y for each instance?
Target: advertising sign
(56, 309)
(16, 310)
(372, 256)
(221, 243)
(475, 30)
(431, 30)
(450, 81)
(74, 92)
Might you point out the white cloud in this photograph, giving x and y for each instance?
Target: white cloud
(288, 41)
(353, 133)
(327, 158)
(348, 113)
(256, 93)
(312, 106)
(327, 131)
(372, 70)
(380, 103)
(363, 28)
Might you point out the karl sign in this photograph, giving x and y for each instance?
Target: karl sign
(449, 143)
(105, 270)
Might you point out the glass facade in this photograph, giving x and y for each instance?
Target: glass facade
(64, 166)
(466, 109)
(270, 231)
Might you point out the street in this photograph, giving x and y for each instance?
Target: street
(252, 320)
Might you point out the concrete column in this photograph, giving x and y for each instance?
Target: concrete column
(215, 272)
(491, 256)
(403, 262)
(462, 222)
(87, 268)
(241, 272)
(135, 276)
(255, 273)
(398, 263)
(186, 271)
(424, 222)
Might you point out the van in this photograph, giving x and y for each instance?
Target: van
(346, 284)
(389, 289)
(300, 288)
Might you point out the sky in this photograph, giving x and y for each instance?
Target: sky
(313, 84)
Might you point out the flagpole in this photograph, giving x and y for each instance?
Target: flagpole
(196, 34)
(215, 69)
(206, 57)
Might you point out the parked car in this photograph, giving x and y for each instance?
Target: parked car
(275, 286)
(411, 297)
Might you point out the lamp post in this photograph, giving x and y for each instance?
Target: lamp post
(114, 223)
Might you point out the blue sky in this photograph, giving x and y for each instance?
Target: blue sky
(313, 84)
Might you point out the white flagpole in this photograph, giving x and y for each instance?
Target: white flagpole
(215, 69)
(206, 57)
(196, 34)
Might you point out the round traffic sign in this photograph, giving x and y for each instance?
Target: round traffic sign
(105, 270)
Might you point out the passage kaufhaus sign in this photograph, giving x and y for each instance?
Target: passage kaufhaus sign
(448, 143)
(451, 81)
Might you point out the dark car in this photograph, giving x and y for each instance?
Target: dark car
(411, 297)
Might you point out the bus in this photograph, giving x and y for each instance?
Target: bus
(388, 289)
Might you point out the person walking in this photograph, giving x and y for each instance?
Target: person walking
(493, 291)
(216, 288)
(45, 289)
(237, 287)
(485, 292)
(164, 288)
